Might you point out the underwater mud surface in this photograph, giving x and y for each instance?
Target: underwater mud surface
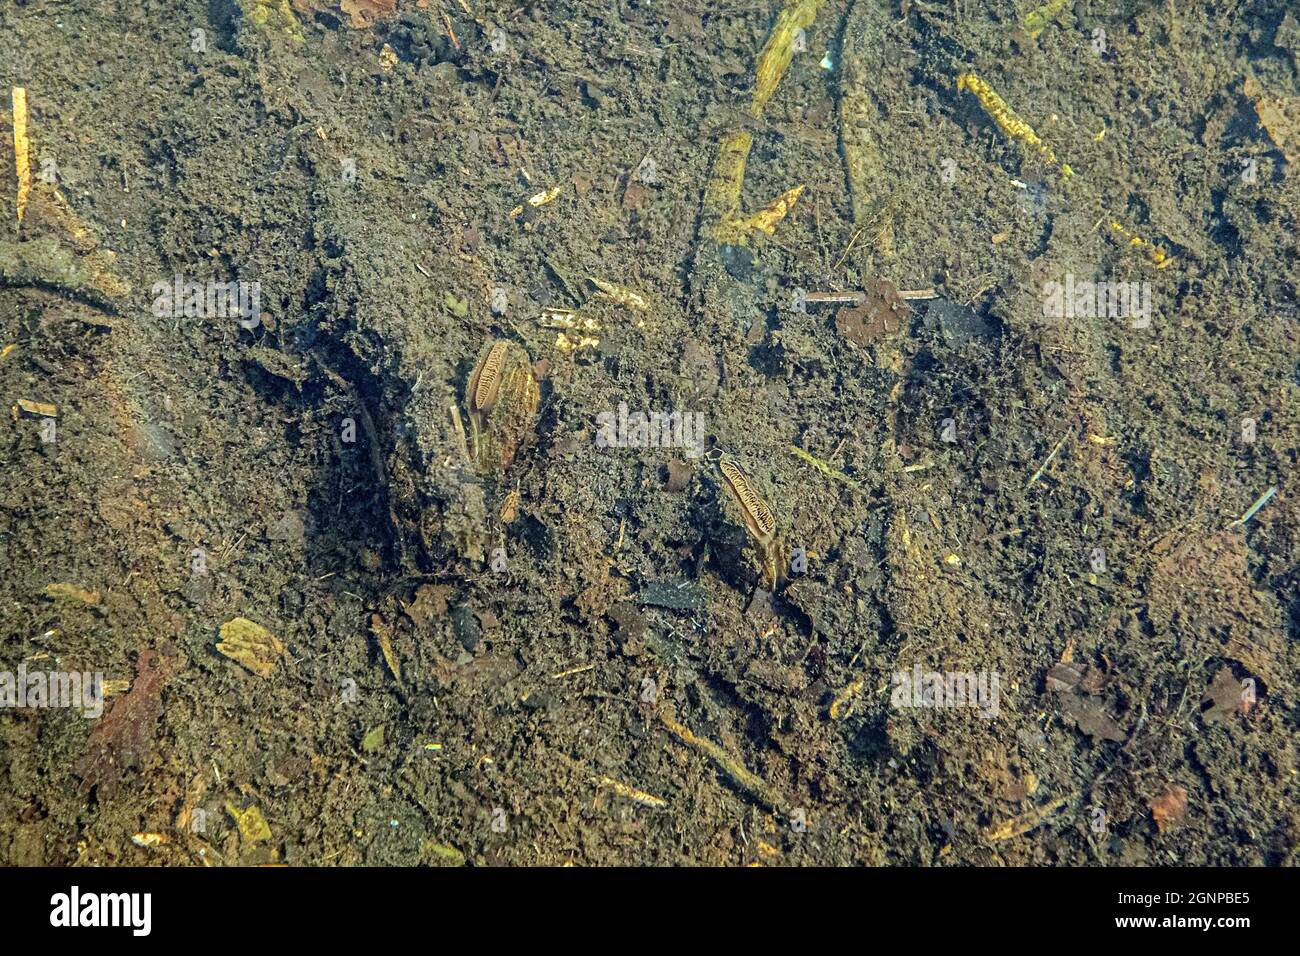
(940, 565)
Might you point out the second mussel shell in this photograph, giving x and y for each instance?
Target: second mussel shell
(502, 398)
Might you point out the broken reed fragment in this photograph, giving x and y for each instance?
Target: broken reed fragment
(1155, 253)
(1018, 826)
(34, 409)
(778, 51)
(634, 794)
(731, 227)
(722, 192)
(722, 207)
(22, 151)
(619, 294)
(1036, 20)
(577, 331)
(84, 269)
(830, 472)
(1007, 120)
(767, 218)
(1017, 130)
(732, 767)
(537, 200)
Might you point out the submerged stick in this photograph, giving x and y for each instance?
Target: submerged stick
(1260, 502)
(860, 65)
(728, 764)
(48, 263)
(1043, 467)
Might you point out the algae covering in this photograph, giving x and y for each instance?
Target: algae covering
(463, 433)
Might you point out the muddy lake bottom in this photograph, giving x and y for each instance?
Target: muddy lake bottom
(464, 433)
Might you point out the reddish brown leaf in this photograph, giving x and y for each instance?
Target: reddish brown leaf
(363, 13)
(1091, 717)
(126, 734)
(1225, 696)
(1169, 807)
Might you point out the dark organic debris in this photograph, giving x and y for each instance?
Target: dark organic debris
(677, 594)
(881, 313)
(1203, 595)
(465, 623)
(677, 475)
(1226, 697)
(1076, 686)
(126, 735)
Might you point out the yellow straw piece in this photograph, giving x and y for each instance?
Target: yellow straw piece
(1155, 253)
(765, 219)
(722, 206)
(1007, 120)
(1036, 21)
(634, 794)
(778, 51)
(22, 157)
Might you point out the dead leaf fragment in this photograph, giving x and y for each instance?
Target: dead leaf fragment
(252, 825)
(767, 218)
(71, 594)
(1076, 685)
(373, 741)
(1168, 809)
(364, 13)
(384, 638)
(251, 645)
(880, 313)
(1226, 696)
(126, 736)
(1203, 594)
(26, 406)
(430, 602)
(1065, 676)
(1090, 716)
(1279, 116)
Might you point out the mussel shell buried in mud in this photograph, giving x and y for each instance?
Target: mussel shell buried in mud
(757, 516)
(501, 397)
(485, 381)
